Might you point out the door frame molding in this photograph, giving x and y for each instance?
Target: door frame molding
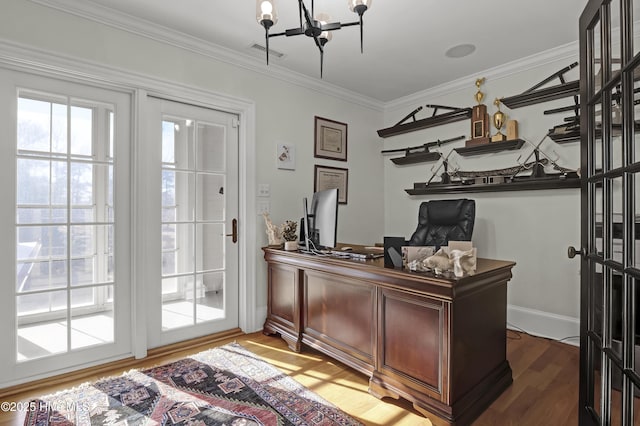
(26, 58)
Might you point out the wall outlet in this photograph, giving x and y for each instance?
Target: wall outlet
(263, 207)
(264, 190)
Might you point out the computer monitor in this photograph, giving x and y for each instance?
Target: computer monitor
(321, 220)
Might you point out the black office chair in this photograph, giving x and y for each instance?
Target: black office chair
(441, 221)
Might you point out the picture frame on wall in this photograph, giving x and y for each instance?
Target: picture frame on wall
(326, 177)
(330, 139)
(286, 156)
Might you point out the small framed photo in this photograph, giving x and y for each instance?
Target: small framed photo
(332, 177)
(286, 156)
(330, 139)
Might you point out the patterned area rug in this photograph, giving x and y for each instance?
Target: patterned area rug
(228, 386)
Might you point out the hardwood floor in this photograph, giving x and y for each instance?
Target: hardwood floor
(544, 390)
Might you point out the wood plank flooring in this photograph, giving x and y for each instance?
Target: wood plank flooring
(544, 390)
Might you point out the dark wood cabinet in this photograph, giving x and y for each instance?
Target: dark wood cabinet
(437, 342)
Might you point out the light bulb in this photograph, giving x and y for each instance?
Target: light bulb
(266, 7)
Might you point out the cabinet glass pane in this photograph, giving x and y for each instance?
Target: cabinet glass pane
(636, 221)
(599, 159)
(597, 57)
(595, 391)
(616, 36)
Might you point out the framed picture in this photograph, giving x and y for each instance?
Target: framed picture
(332, 177)
(330, 139)
(286, 156)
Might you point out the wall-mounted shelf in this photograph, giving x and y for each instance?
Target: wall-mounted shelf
(421, 157)
(436, 120)
(490, 147)
(564, 90)
(523, 184)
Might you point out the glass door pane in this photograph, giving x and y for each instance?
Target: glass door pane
(196, 189)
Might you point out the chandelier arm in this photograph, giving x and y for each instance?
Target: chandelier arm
(307, 17)
(331, 26)
(361, 36)
(294, 32)
(266, 39)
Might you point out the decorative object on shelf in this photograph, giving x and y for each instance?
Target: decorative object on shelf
(444, 165)
(535, 95)
(454, 114)
(528, 175)
(286, 156)
(330, 139)
(315, 26)
(274, 232)
(326, 177)
(499, 119)
(289, 235)
(512, 130)
(479, 119)
(420, 153)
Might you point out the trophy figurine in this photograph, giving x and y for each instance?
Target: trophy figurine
(499, 119)
(479, 119)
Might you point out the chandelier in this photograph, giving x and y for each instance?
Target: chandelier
(316, 26)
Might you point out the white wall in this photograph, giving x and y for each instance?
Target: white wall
(532, 228)
(284, 112)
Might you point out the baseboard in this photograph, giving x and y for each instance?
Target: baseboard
(544, 324)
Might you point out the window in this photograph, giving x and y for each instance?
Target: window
(64, 224)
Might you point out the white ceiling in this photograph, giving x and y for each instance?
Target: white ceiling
(404, 40)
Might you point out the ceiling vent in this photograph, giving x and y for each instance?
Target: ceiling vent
(262, 50)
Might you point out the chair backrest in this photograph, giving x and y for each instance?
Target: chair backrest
(441, 221)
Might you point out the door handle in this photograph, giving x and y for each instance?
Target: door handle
(572, 252)
(234, 231)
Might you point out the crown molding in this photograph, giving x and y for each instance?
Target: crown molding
(161, 34)
(568, 52)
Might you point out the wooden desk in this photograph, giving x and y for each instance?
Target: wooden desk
(439, 343)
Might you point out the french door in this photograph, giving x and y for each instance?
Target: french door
(65, 252)
(194, 228)
(610, 207)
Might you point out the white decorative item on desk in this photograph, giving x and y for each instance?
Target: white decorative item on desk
(274, 232)
(459, 257)
(439, 262)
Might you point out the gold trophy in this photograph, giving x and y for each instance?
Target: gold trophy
(499, 119)
(479, 119)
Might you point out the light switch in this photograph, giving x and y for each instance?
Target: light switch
(263, 207)
(264, 190)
